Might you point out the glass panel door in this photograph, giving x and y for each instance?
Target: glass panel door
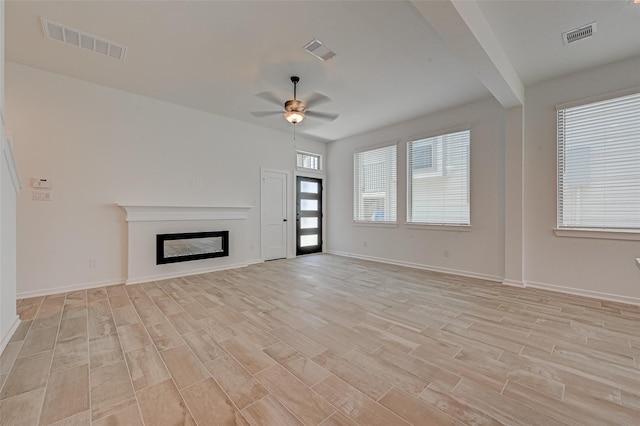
(308, 215)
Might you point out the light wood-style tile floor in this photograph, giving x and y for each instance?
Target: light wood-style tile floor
(321, 340)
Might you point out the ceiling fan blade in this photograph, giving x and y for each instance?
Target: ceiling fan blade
(271, 98)
(322, 115)
(317, 99)
(261, 114)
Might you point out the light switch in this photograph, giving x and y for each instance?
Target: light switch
(37, 182)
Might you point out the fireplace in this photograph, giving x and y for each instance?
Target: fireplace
(183, 247)
(146, 222)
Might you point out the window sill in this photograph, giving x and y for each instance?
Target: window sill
(376, 224)
(602, 234)
(433, 227)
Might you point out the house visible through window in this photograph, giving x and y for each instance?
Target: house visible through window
(599, 164)
(423, 155)
(438, 180)
(307, 160)
(374, 186)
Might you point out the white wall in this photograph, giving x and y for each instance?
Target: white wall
(101, 146)
(479, 252)
(596, 267)
(513, 198)
(8, 187)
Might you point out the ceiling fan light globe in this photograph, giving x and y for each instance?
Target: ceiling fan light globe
(294, 117)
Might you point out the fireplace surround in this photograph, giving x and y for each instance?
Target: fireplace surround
(145, 222)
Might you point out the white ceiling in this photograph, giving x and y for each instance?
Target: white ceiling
(394, 60)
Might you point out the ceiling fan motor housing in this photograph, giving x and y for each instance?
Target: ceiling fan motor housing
(295, 105)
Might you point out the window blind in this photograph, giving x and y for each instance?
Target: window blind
(438, 180)
(375, 185)
(599, 164)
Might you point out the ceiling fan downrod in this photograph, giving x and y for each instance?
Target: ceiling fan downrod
(294, 108)
(295, 80)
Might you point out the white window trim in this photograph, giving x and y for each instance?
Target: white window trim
(600, 98)
(312, 173)
(375, 224)
(438, 227)
(602, 234)
(378, 146)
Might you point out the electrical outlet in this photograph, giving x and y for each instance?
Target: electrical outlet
(92, 263)
(364, 244)
(41, 195)
(446, 253)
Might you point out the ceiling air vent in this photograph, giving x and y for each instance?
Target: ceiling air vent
(82, 40)
(583, 32)
(320, 51)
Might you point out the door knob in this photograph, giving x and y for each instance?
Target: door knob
(284, 220)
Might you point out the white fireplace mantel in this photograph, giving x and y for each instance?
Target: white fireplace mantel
(137, 213)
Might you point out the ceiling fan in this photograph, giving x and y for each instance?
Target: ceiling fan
(296, 110)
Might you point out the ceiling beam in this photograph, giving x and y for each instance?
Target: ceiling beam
(463, 27)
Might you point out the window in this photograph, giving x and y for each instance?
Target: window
(374, 186)
(438, 180)
(307, 160)
(599, 164)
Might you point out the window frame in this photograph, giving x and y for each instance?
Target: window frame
(310, 154)
(610, 233)
(393, 183)
(440, 170)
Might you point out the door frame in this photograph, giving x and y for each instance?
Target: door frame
(315, 175)
(287, 198)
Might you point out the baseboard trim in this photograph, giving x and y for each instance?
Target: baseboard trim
(551, 287)
(65, 289)
(419, 266)
(138, 280)
(7, 337)
(145, 279)
(513, 283)
(585, 293)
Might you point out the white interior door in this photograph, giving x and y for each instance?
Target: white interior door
(274, 214)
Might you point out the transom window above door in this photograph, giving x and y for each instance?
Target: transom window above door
(308, 160)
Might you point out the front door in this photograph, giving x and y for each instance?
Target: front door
(274, 215)
(308, 215)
